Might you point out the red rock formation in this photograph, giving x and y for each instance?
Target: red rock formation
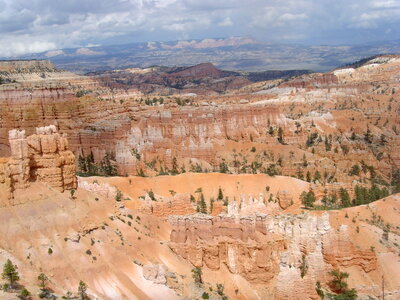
(207, 129)
(178, 205)
(42, 157)
(340, 252)
(237, 244)
(261, 248)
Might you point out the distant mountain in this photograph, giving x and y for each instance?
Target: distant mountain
(200, 79)
(234, 53)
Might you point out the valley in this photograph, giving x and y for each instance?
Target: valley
(197, 183)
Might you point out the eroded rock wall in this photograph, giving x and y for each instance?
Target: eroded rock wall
(42, 157)
(292, 250)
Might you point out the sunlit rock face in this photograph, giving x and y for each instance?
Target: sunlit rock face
(42, 157)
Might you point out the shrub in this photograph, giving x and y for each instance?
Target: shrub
(118, 196)
(311, 139)
(205, 296)
(355, 170)
(223, 167)
(303, 266)
(24, 294)
(220, 289)
(319, 290)
(151, 195)
(197, 274)
(271, 170)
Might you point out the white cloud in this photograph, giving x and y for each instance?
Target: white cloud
(226, 22)
(385, 4)
(292, 17)
(379, 14)
(22, 47)
(41, 25)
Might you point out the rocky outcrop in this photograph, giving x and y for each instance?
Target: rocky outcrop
(285, 199)
(177, 205)
(203, 132)
(26, 66)
(5, 181)
(102, 189)
(340, 252)
(294, 250)
(42, 157)
(155, 273)
(226, 241)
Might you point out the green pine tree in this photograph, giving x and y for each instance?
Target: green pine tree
(82, 290)
(220, 194)
(202, 206)
(42, 278)
(344, 197)
(10, 273)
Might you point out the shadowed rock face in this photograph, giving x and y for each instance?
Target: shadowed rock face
(201, 70)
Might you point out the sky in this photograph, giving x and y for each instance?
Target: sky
(29, 26)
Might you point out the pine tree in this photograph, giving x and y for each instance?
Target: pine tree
(338, 283)
(280, 136)
(82, 290)
(317, 176)
(344, 197)
(305, 163)
(10, 273)
(368, 137)
(308, 199)
(340, 287)
(308, 176)
(42, 278)
(211, 205)
(220, 194)
(202, 204)
(174, 170)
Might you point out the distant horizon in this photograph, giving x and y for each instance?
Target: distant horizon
(38, 26)
(370, 43)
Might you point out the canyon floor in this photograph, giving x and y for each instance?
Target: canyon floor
(136, 181)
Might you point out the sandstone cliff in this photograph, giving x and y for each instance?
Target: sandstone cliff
(42, 157)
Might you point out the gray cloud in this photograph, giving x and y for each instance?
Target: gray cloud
(39, 25)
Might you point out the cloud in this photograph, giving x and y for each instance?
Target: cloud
(29, 26)
(226, 22)
(378, 14)
(292, 17)
(19, 48)
(385, 4)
